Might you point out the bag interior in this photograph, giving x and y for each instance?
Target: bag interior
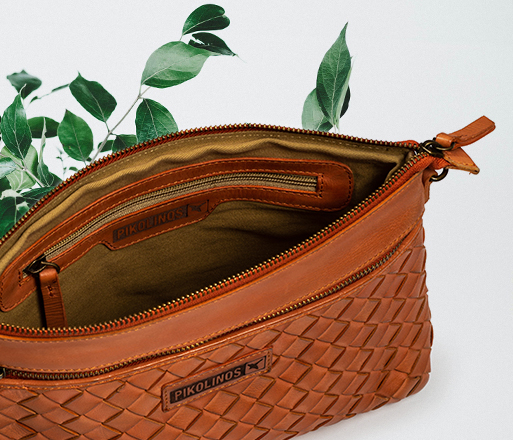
(105, 284)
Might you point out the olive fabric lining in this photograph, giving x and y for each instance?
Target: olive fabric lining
(108, 284)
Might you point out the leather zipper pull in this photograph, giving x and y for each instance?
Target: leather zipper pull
(447, 147)
(468, 135)
(52, 298)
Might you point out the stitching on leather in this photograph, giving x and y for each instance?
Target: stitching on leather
(453, 161)
(212, 371)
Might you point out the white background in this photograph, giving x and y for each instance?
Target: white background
(420, 67)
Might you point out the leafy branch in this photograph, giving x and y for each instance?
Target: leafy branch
(22, 167)
(25, 177)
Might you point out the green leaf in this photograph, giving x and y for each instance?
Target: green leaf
(313, 118)
(153, 120)
(20, 179)
(344, 99)
(36, 127)
(30, 159)
(121, 142)
(333, 79)
(173, 64)
(24, 81)
(7, 166)
(12, 207)
(345, 105)
(56, 89)
(211, 42)
(93, 97)
(4, 184)
(34, 195)
(76, 137)
(46, 177)
(108, 145)
(124, 141)
(206, 18)
(15, 129)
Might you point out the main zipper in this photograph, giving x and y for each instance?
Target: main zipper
(410, 168)
(414, 165)
(106, 160)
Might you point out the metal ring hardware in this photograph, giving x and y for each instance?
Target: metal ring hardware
(440, 176)
(39, 265)
(433, 148)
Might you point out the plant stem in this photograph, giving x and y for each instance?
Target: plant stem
(33, 177)
(111, 131)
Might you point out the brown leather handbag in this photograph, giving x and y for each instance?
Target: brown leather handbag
(236, 282)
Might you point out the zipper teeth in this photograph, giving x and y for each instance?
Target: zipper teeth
(289, 181)
(18, 374)
(103, 161)
(200, 294)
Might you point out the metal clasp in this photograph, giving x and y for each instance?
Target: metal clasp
(433, 148)
(37, 266)
(440, 176)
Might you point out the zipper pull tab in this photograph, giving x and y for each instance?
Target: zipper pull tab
(447, 147)
(468, 135)
(48, 274)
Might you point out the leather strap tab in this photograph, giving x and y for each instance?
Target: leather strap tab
(456, 157)
(52, 298)
(468, 135)
(460, 160)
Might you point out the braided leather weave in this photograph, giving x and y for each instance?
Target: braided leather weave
(351, 352)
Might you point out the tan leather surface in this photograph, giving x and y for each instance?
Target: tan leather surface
(458, 159)
(335, 183)
(328, 263)
(52, 298)
(467, 135)
(351, 352)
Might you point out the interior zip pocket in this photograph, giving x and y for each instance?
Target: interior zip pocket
(181, 197)
(276, 180)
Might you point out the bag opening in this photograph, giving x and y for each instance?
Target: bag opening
(110, 280)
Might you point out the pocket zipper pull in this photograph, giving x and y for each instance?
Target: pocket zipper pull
(50, 289)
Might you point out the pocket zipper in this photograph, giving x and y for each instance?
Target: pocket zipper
(280, 180)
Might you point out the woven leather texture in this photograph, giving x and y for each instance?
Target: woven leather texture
(352, 352)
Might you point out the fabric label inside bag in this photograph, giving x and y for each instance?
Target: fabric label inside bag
(230, 373)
